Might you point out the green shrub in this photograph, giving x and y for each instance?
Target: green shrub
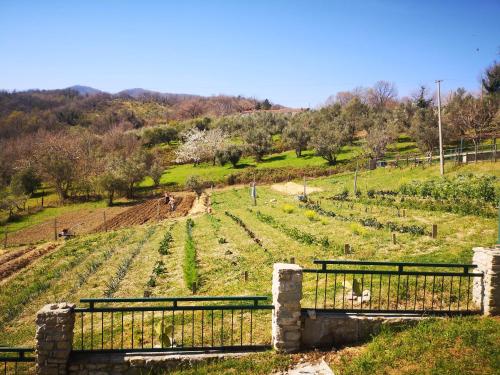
(165, 243)
(458, 188)
(357, 229)
(311, 215)
(287, 208)
(294, 233)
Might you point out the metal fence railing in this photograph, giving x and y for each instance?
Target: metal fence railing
(16, 361)
(173, 324)
(355, 286)
(458, 154)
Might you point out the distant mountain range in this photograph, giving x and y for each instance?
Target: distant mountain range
(134, 93)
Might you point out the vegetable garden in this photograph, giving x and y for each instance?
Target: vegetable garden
(231, 251)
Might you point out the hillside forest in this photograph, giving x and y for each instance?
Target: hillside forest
(96, 145)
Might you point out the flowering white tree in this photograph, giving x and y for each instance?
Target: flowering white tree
(201, 145)
(215, 140)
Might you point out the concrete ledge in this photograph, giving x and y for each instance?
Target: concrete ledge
(329, 329)
(138, 363)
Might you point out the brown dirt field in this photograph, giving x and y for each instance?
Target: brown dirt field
(151, 210)
(9, 255)
(92, 220)
(78, 222)
(16, 264)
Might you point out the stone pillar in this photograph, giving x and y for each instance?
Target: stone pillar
(54, 338)
(487, 294)
(287, 292)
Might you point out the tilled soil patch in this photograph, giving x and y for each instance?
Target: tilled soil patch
(17, 264)
(77, 222)
(151, 210)
(8, 256)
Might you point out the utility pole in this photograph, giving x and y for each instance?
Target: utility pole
(441, 157)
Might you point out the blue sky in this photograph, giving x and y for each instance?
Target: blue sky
(296, 53)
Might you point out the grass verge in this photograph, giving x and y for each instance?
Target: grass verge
(467, 345)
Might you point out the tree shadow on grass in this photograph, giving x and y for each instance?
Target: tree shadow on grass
(274, 158)
(243, 166)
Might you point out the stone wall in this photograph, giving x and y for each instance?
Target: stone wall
(287, 292)
(487, 293)
(138, 364)
(326, 330)
(54, 338)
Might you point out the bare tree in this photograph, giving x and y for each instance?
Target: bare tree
(382, 93)
(57, 156)
(379, 136)
(471, 117)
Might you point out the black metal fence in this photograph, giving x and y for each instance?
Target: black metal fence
(16, 361)
(173, 324)
(354, 286)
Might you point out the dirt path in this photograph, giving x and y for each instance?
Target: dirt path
(200, 205)
(308, 368)
(292, 188)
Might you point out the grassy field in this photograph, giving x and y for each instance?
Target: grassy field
(216, 173)
(121, 263)
(178, 174)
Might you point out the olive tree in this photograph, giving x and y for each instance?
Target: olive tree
(328, 138)
(424, 129)
(111, 181)
(259, 142)
(195, 184)
(297, 134)
(25, 181)
(231, 153)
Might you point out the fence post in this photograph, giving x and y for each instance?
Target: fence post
(54, 338)
(434, 231)
(487, 293)
(287, 292)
